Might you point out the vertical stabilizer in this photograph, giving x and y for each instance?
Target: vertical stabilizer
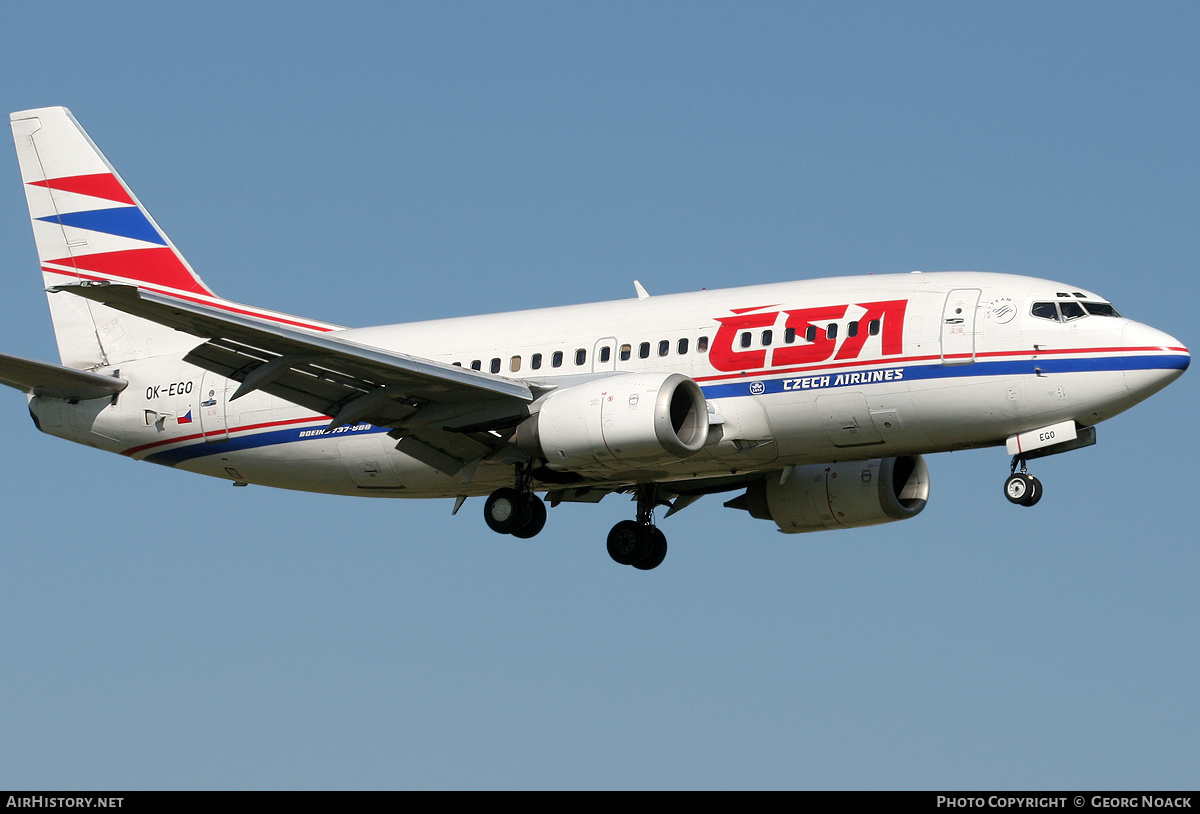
(89, 226)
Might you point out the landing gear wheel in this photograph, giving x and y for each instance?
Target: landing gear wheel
(534, 518)
(658, 550)
(1023, 489)
(504, 510)
(628, 542)
(1035, 492)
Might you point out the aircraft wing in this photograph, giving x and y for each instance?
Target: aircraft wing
(442, 414)
(45, 379)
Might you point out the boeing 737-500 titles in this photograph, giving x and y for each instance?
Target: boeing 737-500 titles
(812, 401)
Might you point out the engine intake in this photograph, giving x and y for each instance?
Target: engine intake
(646, 419)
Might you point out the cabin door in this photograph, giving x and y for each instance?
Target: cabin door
(958, 326)
(212, 407)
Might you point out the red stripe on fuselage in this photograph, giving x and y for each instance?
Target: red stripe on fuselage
(181, 439)
(909, 359)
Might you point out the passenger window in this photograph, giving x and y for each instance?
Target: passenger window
(702, 345)
(535, 361)
(476, 365)
(767, 336)
(810, 333)
(626, 352)
(873, 327)
(852, 329)
(831, 330)
(745, 339)
(605, 353)
(556, 359)
(644, 350)
(664, 347)
(580, 357)
(495, 366)
(457, 364)
(514, 364)
(681, 348)
(789, 336)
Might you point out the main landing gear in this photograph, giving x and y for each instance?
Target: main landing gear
(639, 542)
(1021, 487)
(516, 511)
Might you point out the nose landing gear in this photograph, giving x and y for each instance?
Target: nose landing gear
(1021, 487)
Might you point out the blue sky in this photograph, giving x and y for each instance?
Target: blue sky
(368, 164)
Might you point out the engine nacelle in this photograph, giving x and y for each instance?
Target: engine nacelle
(840, 495)
(645, 419)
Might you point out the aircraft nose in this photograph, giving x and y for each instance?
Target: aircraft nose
(1155, 358)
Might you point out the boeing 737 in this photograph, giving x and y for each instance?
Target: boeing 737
(814, 400)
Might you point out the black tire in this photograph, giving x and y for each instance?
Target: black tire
(628, 543)
(1035, 492)
(504, 510)
(534, 518)
(658, 550)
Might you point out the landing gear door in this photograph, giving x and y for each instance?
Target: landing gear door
(958, 326)
(213, 397)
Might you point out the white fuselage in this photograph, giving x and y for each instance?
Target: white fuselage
(913, 363)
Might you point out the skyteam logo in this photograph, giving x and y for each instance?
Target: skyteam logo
(1001, 310)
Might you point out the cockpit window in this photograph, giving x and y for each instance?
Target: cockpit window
(1045, 310)
(1066, 311)
(1071, 310)
(1101, 309)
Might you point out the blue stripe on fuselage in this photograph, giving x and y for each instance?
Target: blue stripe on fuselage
(821, 380)
(236, 443)
(744, 387)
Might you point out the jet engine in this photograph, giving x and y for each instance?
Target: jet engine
(840, 495)
(644, 419)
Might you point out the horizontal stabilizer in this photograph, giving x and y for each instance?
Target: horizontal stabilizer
(56, 381)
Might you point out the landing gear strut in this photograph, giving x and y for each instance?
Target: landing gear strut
(639, 542)
(1021, 487)
(516, 511)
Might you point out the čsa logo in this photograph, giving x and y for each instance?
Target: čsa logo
(885, 319)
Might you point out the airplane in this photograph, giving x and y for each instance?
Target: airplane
(815, 400)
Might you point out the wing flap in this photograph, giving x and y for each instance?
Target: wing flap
(444, 451)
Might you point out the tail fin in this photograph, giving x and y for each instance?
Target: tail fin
(88, 225)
